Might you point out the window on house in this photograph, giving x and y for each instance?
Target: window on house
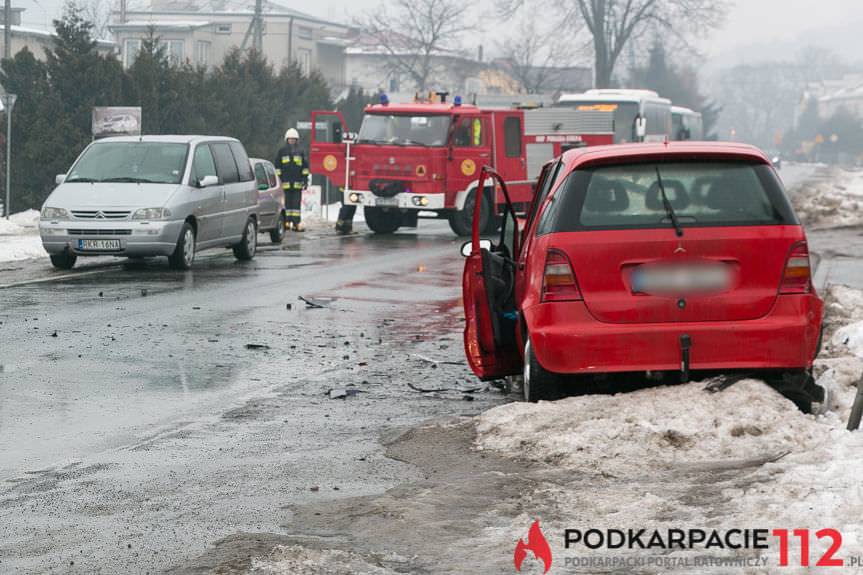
(173, 50)
(130, 53)
(304, 59)
(304, 32)
(203, 53)
(223, 28)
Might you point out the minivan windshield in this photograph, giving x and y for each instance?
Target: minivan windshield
(404, 130)
(142, 162)
(646, 194)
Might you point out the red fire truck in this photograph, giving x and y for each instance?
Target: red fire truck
(424, 157)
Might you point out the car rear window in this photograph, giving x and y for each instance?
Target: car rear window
(701, 193)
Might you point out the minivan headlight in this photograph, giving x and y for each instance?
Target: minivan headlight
(151, 214)
(54, 213)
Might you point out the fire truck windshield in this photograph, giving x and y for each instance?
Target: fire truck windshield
(404, 130)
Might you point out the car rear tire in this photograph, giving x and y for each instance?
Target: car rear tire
(184, 253)
(382, 222)
(245, 250)
(277, 234)
(63, 261)
(461, 221)
(537, 383)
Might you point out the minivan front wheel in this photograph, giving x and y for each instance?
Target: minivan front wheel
(63, 261)
(184, 253)
(245, 250)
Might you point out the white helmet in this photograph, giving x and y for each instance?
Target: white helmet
(292, 133)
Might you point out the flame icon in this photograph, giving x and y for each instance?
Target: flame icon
(535, 542)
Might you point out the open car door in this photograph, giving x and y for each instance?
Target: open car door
(488, 289)
(328, 150)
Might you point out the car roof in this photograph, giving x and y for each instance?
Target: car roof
(260, 161)
(174, 139)
(624, 153)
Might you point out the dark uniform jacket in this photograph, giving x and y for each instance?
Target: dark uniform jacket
(293, 167)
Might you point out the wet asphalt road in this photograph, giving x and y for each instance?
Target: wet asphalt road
(145, 413)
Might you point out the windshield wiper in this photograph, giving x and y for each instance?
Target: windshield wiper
(131, 179)
(668, 209)
(86, 180)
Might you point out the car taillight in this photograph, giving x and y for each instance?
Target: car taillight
(558, 281)
(797, 277)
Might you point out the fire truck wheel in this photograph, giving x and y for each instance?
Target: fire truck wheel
(461, 222)
(382, 222)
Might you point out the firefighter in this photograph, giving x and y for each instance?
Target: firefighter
(294, 171)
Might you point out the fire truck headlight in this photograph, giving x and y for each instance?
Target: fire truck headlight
(420, 201)
(355, 197)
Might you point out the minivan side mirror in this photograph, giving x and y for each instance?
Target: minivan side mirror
(59, 179)
(210, 180)
(641, 127)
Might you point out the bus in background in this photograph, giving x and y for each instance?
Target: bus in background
(686, 124)
(611, 116)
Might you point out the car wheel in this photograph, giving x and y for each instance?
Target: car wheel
(63, 261)
(184, 253)
(382, 222)
(538, 383)
(461, 221)
(799, 387)
(245, 250)
(277, 234)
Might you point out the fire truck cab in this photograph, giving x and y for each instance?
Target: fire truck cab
(423, 158)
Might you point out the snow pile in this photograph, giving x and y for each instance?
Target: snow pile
(679, 456)
(20, 223)
(832, 202)
(19, 237)
(298, 560)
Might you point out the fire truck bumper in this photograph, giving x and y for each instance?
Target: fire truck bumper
(404, 200)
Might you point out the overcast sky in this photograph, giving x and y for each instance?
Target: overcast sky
(749, 21)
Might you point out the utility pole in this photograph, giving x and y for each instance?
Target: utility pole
(259, 27)
(7, 44)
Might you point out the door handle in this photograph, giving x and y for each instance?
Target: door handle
(483, 155)
(520, 266)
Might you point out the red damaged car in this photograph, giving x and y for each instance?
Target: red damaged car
(668, 257)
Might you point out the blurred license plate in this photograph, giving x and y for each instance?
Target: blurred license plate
(681, 279)
(99, 244)
(386, 201)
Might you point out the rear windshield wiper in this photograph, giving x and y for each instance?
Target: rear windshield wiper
(668, 209)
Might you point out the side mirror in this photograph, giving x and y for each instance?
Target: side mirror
(59, 179)
(467, 247)
(208, 181)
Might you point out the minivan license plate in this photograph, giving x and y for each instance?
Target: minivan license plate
(386, 201)
(99, 245)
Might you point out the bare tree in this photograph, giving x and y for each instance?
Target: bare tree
(98, 13)
(415, 35)
(534, 52)
(612, 24)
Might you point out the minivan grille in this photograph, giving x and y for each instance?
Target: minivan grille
(100, 214)
(105, 232)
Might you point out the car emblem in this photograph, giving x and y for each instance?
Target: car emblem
(392, 161)
(100, 215)
(680, 249)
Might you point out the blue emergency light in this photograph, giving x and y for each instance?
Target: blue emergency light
(456, 101)
(384, 100)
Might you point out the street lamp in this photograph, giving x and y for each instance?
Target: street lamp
(8, 101)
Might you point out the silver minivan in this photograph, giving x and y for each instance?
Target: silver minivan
(139, 196)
